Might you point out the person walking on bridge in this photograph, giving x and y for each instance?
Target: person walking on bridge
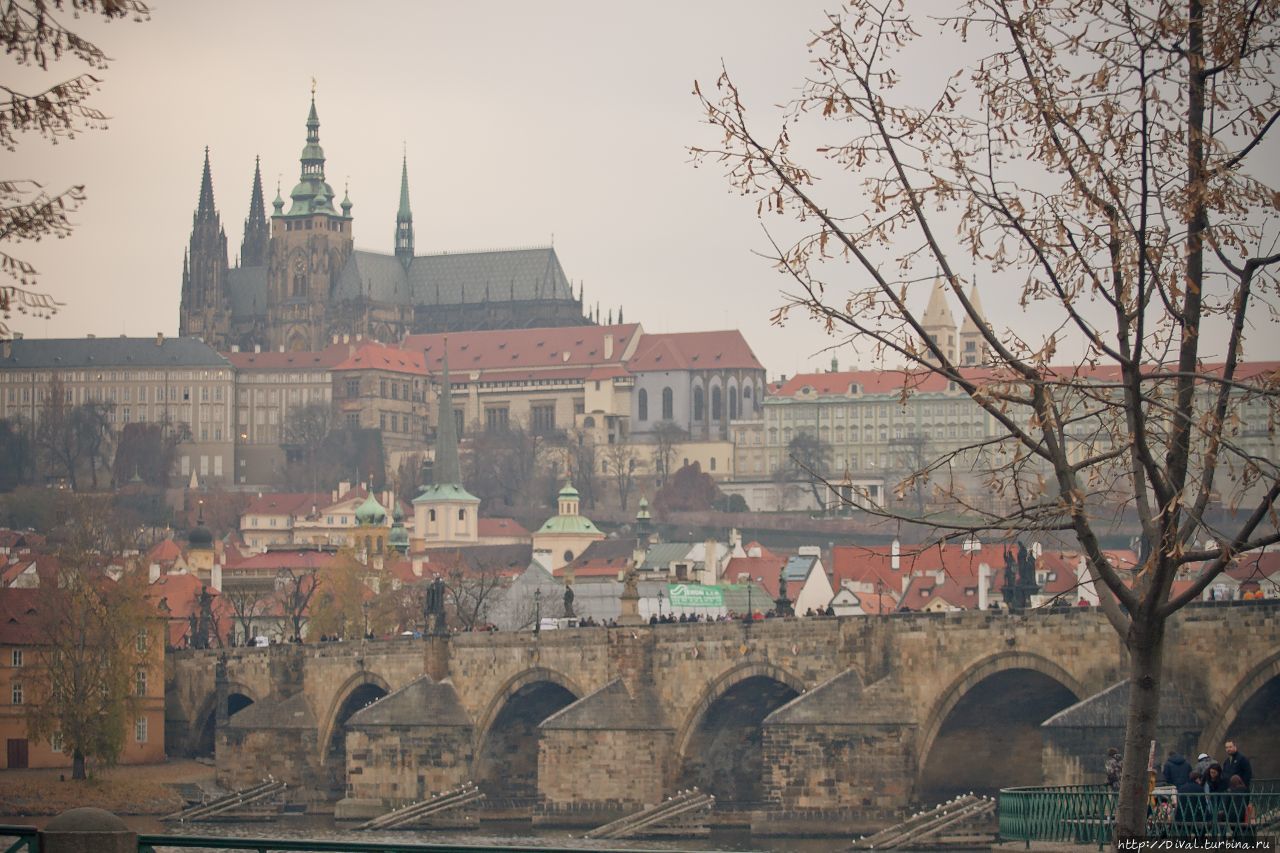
(1237, 765)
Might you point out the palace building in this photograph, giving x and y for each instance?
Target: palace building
(299, 281)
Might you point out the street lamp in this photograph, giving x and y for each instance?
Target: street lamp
(660, 604)
(537, 610)
(751, 582)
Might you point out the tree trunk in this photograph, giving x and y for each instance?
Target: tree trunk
(77, 765)
(1146, 657)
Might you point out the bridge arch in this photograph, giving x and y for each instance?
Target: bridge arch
(374, 686)
(1051, 687)
(505, 755)
(204, 723)
(1257, 690)
(718, 745)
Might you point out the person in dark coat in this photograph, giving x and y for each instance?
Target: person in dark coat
(1113, 766)
(1237, 765)
(1176, 770)
(1214, 781)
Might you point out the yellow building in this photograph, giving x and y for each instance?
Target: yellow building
(568, 533)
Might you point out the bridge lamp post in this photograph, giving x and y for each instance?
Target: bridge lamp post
(537, 610)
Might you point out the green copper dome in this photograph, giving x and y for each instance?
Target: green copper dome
(370, 512)
(569, 491)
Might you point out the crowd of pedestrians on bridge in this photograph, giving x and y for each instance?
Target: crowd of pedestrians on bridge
(1208, 799)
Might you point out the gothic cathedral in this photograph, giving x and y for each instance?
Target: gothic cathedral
(300, 284)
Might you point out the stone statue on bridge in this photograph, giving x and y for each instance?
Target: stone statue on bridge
(434, 608)
(568, 601)
(1019, 578)
(782, 606)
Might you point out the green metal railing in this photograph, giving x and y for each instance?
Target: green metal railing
(1085, 814)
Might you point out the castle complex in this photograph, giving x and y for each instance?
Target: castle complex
(299, 280)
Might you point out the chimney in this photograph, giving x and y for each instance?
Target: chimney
(895, 555)
(153, 573)
(235, 348)
(735, 540)
(346, 339)
(542, 556)
(257, 347)
(755, 552)
(984, 581)
(281, 348)
(608, 347)
(215, 575)
(159, 339)
(711, 561)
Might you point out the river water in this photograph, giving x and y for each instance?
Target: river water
(317, 827)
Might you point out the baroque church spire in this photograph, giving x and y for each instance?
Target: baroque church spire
(257, 236)
(404, 217)
(445, 469)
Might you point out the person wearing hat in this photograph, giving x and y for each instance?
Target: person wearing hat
(1202, 764)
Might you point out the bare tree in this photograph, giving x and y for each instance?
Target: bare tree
(582, 465)
(621, 459)
(810, 461)
(470, 594)
(294, 590)
(1104, 158)
(34, 37)
(247, 604)
(667, 437)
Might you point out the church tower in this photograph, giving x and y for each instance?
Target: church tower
(404, 218)
(939, 323)
(309, 246)
(205, 312)
(973, 346)
(257, 235)
(445, 515)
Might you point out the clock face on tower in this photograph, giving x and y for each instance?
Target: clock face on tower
(298, 265)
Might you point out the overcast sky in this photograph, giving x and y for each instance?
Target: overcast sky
(520, 120)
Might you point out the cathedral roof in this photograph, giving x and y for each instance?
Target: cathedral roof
(502, 275)
(566, 351)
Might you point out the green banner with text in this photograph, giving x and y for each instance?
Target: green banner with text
(694, 595)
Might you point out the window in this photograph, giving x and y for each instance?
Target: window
(55, 742)
(462, 515)
(642, 404)
(733, 404)
(17, 693)
(140, 641)
(16, 657)
(542, 419)
(668, 404)
(140, 730)
(140, 683)
(496, 419)
(353, 387)
(353, 420)
(382, 388)
(699, 404)
(713, 463)
(431, 515)
(717, 404)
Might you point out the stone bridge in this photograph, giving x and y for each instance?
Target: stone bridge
(862, 713)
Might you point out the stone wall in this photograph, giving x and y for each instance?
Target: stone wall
(866, 768)
(403, 764)
(623, 770)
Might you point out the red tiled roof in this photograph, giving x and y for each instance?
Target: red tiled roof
(764, 568)
(285, 503)
(375, 356)
(19, 610)
(164, 551)
(574, 349)
(329, 357)
(1254, 565)
(508, 527)
(284, 559)
(693, 351)
(921, 381)
(180, 592)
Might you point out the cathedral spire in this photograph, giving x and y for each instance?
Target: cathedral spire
(404, 217)
(205, 208)
(312, 195)
(253, 248)
(445, 470)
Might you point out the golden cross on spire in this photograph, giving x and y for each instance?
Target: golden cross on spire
(313, 85)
